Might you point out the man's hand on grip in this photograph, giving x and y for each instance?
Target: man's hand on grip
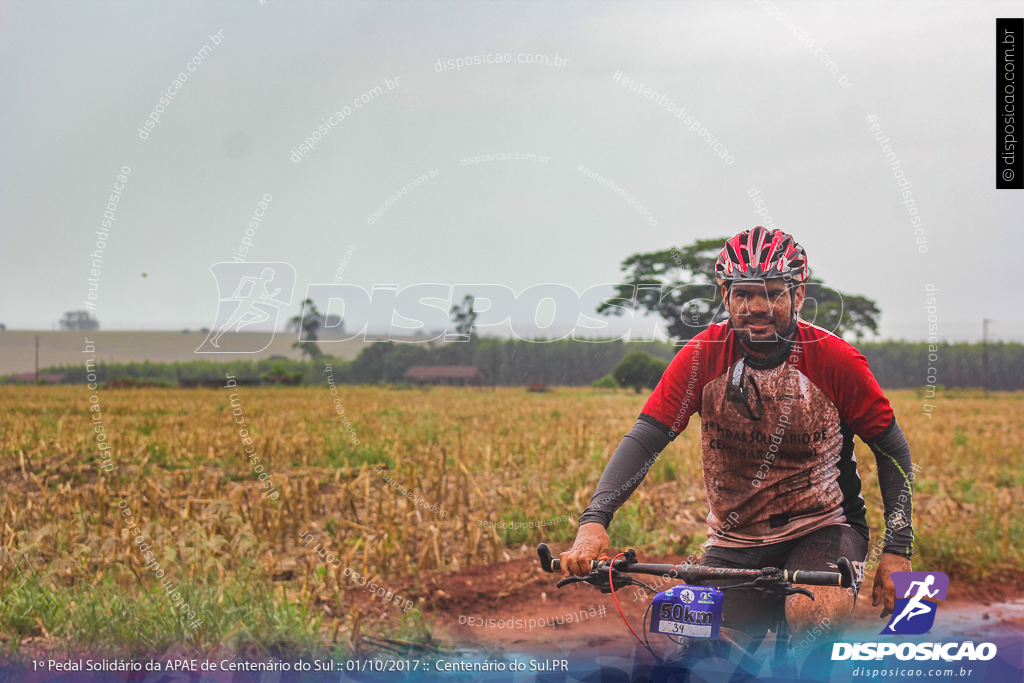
(884, 592)
(591, 544)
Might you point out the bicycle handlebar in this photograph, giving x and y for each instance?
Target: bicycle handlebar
(692, 573)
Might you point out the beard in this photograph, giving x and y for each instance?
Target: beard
(776, 341)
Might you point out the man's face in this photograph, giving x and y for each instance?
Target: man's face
(761, 310)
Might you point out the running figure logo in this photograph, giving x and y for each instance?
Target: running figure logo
(914, 613)
(251, 296)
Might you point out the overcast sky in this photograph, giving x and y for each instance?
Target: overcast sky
(80, 78)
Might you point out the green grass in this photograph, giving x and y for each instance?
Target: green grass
(242, 612)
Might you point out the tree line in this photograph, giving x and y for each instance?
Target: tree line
(896, 364)
(676, 284)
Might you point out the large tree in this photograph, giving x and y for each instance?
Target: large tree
(679, 285)
(464, 317)
(307, 323)
(79, 320)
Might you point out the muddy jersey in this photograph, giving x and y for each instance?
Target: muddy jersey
(778, 462)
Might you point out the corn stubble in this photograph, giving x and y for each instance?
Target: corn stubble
(71, 580)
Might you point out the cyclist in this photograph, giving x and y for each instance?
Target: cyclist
(780, 401)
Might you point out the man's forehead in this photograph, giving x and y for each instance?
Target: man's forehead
(770, 283)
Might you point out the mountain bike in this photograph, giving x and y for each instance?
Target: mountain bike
(693, 609)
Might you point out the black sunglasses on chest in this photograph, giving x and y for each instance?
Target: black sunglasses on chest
(743, 393)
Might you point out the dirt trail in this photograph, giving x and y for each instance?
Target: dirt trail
(520, 591)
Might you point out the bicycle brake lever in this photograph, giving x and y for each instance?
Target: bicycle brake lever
(619, 580)
(599, 579)
(572, 579)
(794, 590)
(772, 592)
(771, 586)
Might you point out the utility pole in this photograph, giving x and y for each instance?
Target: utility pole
(37, 359)
(984, 352)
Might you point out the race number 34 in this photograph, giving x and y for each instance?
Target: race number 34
(691, 611)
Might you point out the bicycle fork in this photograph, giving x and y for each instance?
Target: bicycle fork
(782, 664)
(782, 639)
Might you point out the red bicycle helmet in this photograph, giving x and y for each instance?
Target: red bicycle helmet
(760, 254)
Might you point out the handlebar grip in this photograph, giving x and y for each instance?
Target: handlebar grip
(846, 569)
(546, 563)
(843, 578)
(808, 578)
(556, 565)
(550, 565)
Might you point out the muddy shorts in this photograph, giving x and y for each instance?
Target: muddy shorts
(817, 551)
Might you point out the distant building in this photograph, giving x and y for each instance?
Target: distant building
(460, 375)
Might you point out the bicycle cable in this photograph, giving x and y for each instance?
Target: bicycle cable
(647, 643)
(622, 614)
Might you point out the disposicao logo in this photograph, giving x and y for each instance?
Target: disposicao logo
(251, 296)
(914, 613)
(949, 652)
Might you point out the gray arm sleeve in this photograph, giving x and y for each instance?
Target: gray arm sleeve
(896, 479)
(628, 466)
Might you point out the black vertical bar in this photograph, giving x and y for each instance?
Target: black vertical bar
(1009, 157)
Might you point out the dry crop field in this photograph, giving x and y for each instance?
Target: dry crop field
(72, 580)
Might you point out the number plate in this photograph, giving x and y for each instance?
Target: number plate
(691, 611)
